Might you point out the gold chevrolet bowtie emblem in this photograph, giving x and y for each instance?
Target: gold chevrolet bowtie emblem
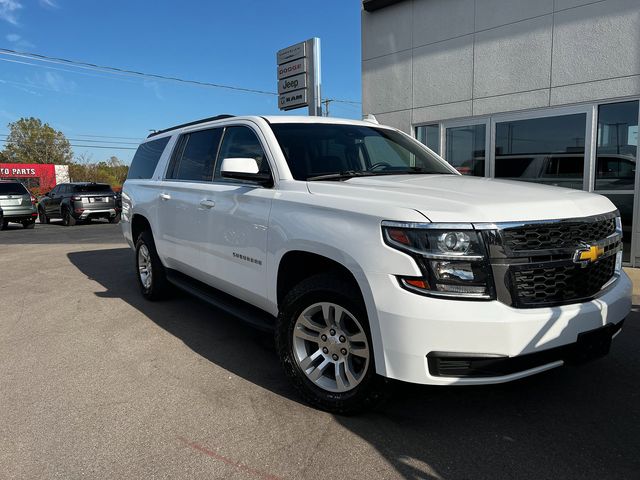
(588, 254)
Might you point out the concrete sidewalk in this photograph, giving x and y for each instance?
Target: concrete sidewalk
(634, 275)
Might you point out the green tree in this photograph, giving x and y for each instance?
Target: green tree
(31, 141)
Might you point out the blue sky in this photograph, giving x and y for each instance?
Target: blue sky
(223, 42)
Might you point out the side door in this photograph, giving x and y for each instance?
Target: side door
(237, 233)
(53, 203)
(185, 200)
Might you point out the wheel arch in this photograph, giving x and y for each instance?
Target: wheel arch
(297, 264)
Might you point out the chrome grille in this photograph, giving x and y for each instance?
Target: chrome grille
(558, 235)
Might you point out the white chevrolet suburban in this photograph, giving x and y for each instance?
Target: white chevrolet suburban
(370, 257)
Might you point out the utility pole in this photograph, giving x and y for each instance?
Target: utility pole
(326, 106)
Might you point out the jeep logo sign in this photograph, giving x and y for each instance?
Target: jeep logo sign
(292, 83)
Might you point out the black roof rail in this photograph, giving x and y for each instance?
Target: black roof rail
(188, 124)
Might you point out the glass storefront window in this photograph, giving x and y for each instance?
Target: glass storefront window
(546, 150)
(617, 146)
(429, 135)
(466, 147)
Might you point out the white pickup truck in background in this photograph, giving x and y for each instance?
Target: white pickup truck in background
(370, 257)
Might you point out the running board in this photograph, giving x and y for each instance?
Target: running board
(249, 314)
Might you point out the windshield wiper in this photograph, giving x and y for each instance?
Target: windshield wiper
(345, 175)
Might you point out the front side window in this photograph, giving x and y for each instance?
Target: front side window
(317, 150)
(196, 155)
(241, 142)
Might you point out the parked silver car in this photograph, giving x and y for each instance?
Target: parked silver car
(17, 204)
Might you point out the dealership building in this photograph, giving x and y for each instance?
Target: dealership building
(536, 90)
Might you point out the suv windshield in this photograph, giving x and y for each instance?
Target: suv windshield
(92, 188)
(332, 151)
(12, 189)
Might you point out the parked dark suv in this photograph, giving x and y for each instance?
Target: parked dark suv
(74, 202)
(17, 204)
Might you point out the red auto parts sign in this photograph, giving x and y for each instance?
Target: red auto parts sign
(35, 175)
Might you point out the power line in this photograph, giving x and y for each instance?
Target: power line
(135, 73)
(91, 141)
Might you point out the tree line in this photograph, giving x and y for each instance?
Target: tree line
(32, 141)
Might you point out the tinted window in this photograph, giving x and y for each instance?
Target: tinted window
(430, 136)
(546, 150)
(197, 157)
(92, 188)
(466, 148)
(617, 146)
(12, 189)
(319, 149)
(241, 142)
(146, 158)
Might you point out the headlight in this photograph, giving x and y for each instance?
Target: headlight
(452, 259)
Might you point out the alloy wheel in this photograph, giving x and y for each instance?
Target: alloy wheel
(330, 346)
(145, 269)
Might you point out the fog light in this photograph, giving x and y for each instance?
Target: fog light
(466, 289)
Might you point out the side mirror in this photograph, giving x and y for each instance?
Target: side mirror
(241, 168)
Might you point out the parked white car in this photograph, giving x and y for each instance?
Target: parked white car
(370, 257)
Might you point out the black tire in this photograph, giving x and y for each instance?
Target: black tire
(68, 220)
(4, 225)
(159, 286)
(372, 389)
(42, 216)
(29, 224)
(114, 219)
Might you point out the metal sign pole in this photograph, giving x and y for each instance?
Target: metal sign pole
(315, 107)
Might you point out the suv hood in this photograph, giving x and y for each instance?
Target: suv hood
(458, 198)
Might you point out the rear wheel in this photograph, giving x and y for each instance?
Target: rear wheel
(325, 346)
(42, 216)
(151, 275)
(29, 224)
(4, 225)
(67, 219)
(114, 219)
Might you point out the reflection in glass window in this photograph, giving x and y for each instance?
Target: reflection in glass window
(545, 150)
(241, 142)
(617, 146)
(466, 149)
(429, 135)
(198, 156)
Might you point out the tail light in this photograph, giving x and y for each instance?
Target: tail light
(34, 200)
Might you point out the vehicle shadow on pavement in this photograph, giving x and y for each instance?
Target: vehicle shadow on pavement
(572, 422)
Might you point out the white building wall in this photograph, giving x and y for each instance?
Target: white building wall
(431, 60)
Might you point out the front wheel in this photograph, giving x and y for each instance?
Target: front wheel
(325, 346)
(42, 216)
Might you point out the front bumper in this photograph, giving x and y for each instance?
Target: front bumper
(411, 329)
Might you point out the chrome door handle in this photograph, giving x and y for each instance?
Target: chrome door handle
(207, 203)
(165, 196)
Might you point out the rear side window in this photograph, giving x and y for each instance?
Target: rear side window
(146, 159)
(98, 188)
(196, 156)
(12, 189)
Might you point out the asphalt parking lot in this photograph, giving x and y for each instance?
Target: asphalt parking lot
(95, 382)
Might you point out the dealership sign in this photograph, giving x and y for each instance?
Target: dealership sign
(42, 175)
(299, 76)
